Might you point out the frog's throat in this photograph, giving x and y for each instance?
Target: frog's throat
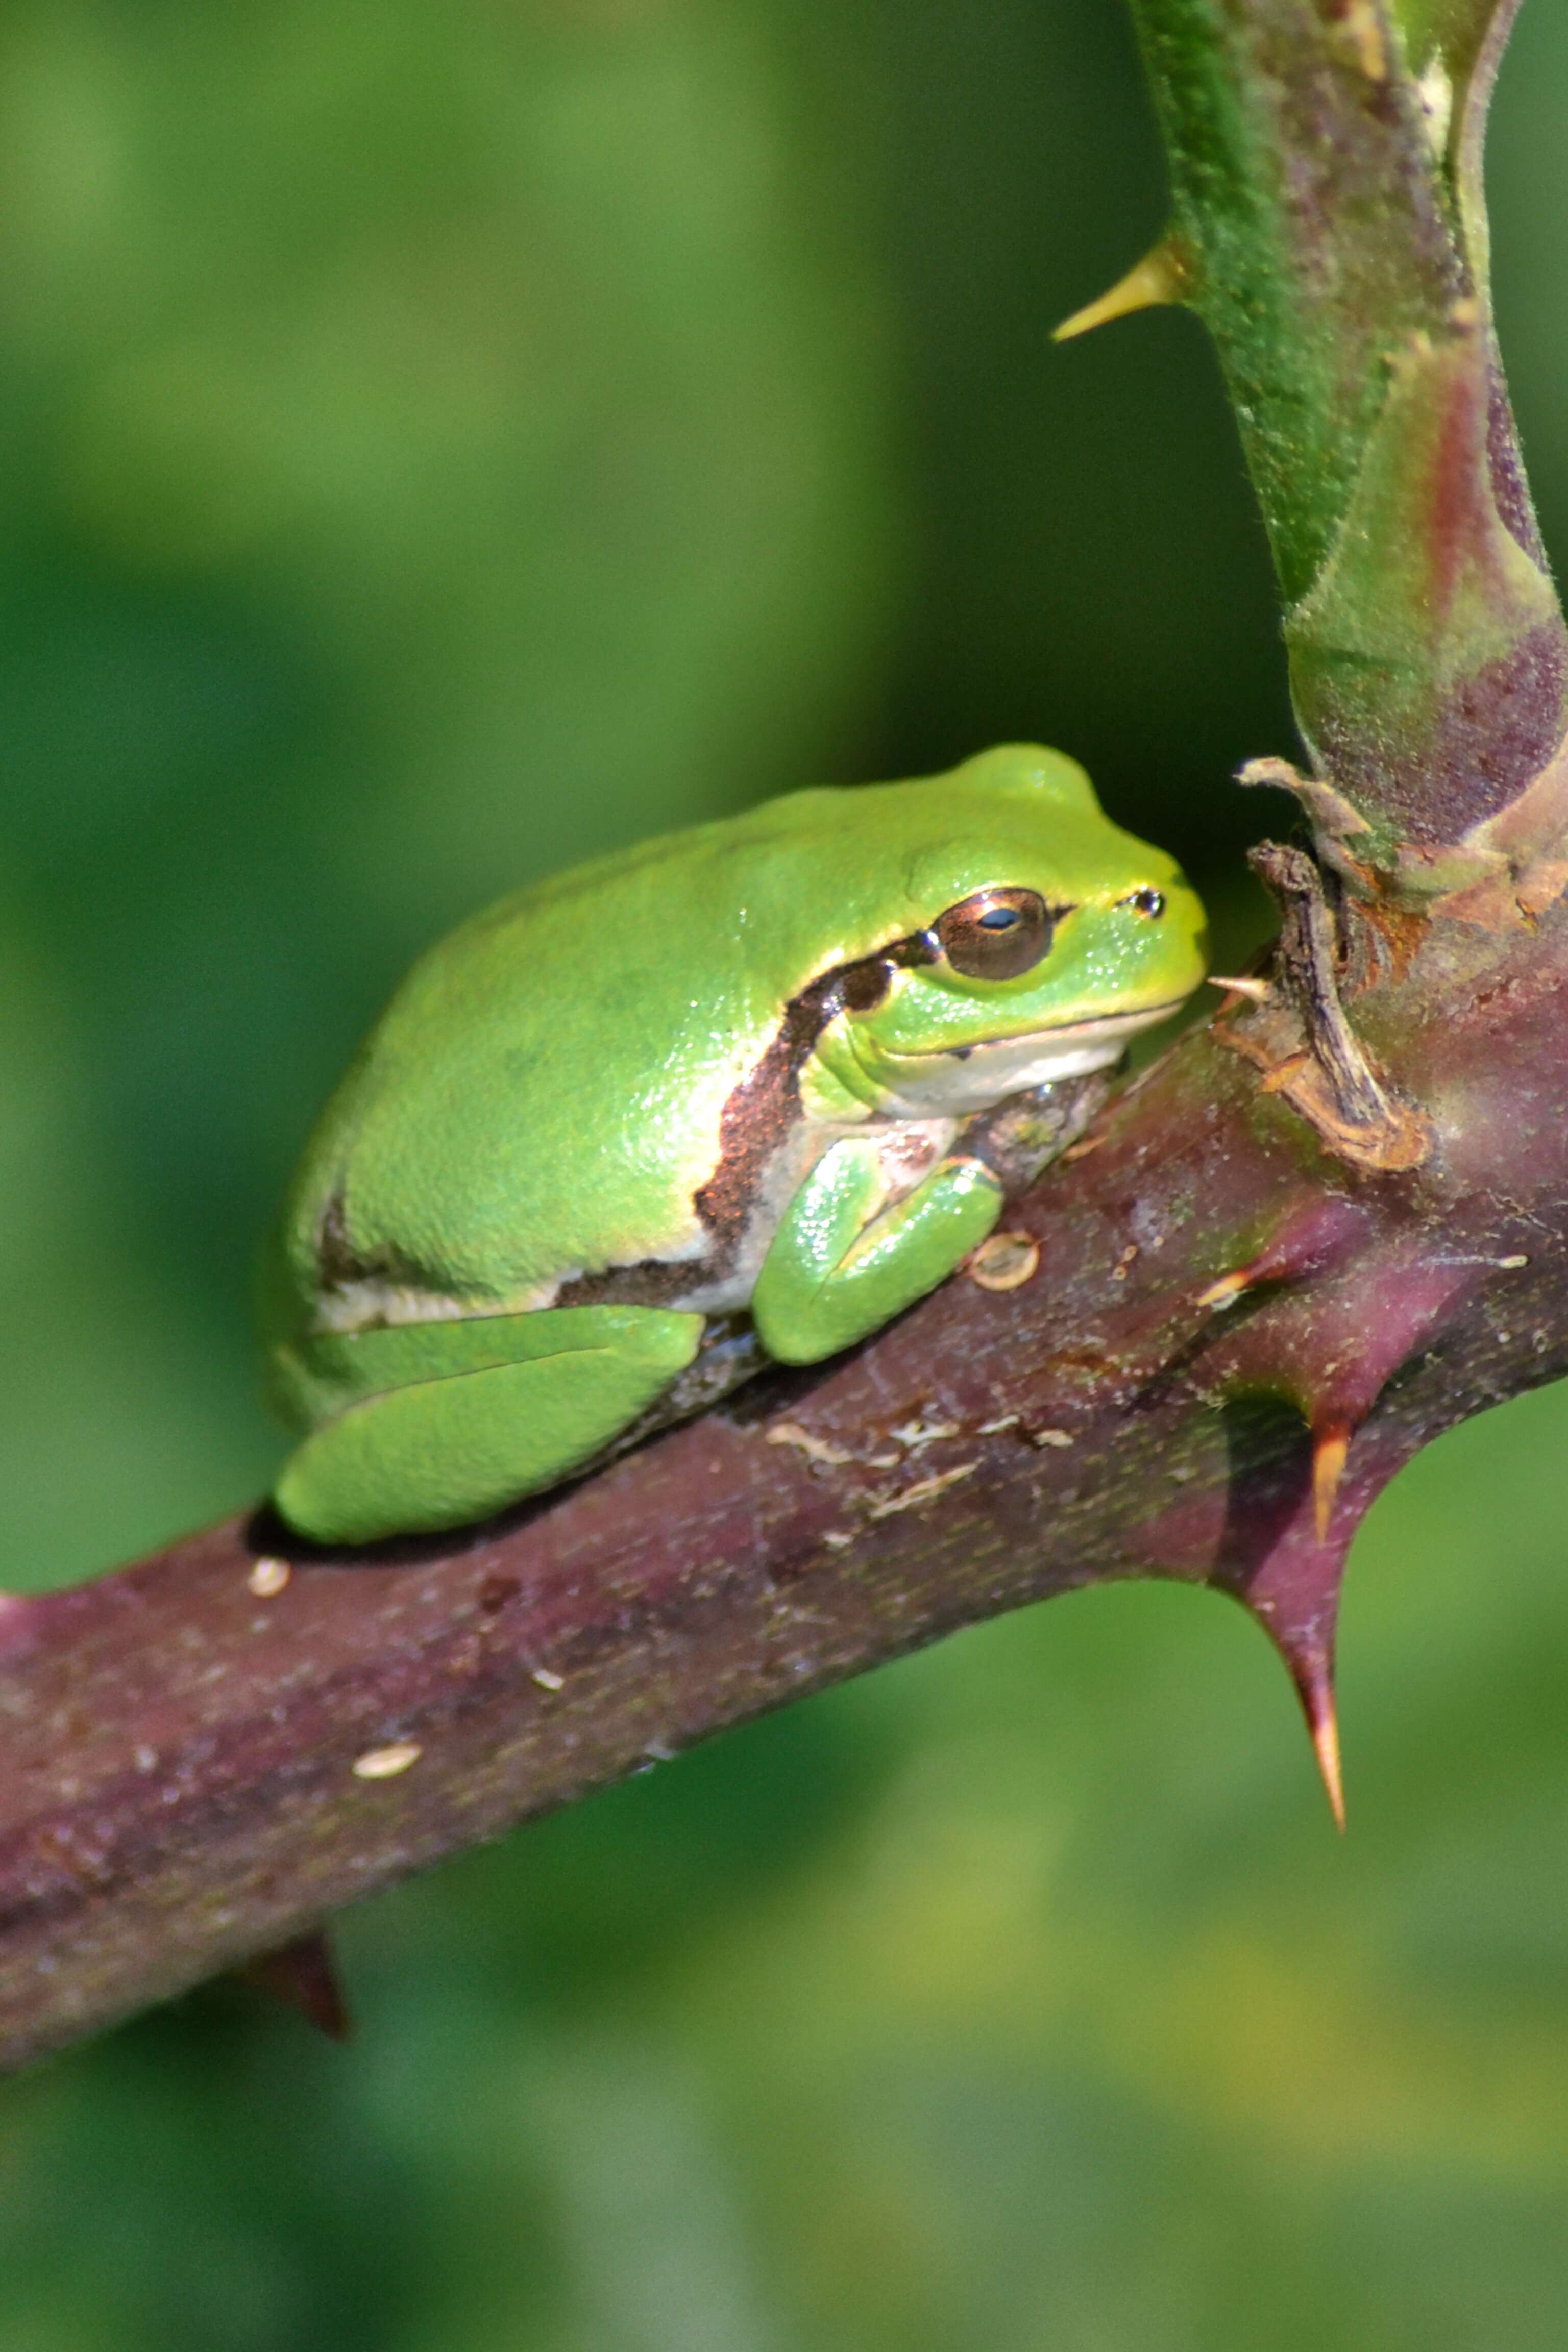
(954, 1081)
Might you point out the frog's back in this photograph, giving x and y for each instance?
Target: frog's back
(542, 1096)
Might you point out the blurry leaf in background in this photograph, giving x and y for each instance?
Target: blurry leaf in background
(442, 442)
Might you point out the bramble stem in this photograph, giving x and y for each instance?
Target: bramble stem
(1322, 1231)
(1325, 171)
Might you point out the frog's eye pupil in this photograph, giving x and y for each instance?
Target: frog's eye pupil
(996, 934)
(1148, 902)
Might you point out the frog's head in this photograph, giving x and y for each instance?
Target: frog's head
(1035, 937)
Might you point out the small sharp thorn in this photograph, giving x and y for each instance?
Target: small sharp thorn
(304, 1974)
(1261, 991)
(1162, 276)
(1330, 1447)
(1322, 1722)
(1229, 1286)
(1314, 1679)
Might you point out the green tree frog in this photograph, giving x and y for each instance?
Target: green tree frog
(736, 1070)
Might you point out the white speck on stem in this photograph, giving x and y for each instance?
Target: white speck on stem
(546, 1680)
(385, 1763)
(267, 1577)
(1050, 1437)
(1005, 1261)
(1435, 90)
(816, 1449)
(921, 1492)
(916, 1433)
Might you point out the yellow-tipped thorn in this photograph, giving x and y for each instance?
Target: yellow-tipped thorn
(1259, 991)
(1161, 277)
(1325, 1730)
(1229, 1287)
(1330, 1447)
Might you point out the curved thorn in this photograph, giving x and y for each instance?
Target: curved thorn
(1326, 1746)
(1163, 276)
(1323, 1727)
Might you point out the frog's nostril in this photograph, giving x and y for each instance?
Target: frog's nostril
(1147, 902)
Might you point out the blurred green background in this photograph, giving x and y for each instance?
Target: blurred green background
(441, 442)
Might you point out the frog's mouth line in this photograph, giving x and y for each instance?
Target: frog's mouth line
(954, 1081)
(1106, 1025)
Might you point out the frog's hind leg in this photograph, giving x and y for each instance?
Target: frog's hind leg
(426, 1426)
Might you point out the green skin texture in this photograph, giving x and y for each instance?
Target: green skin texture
(542, 1104)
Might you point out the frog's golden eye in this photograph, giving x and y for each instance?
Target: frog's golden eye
(997, 934)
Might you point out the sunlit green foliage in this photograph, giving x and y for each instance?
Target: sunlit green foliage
(441, 442)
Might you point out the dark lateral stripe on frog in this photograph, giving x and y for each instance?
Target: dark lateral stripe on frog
(341, 1263)
(754, 1122)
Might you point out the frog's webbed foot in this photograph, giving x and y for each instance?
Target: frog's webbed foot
(845, 1259)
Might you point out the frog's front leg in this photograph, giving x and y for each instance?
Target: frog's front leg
(844, 1261)
(421, 1426)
